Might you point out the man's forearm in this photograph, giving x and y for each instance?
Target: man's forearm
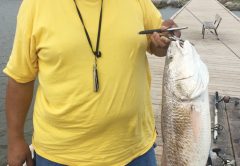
(18, 100)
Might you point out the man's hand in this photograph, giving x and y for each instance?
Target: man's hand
(160, 42)
(19, 153)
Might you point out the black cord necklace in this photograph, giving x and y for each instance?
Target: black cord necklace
(97, 53)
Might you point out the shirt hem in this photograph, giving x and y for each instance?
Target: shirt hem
(123, 163)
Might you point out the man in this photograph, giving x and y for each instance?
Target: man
(93, 103)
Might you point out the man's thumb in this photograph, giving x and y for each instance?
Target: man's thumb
(29, 160)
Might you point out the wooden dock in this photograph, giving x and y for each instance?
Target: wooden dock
(221, 56)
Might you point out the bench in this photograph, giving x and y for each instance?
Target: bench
(212, 25)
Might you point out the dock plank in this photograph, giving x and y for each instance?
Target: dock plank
(233, 111)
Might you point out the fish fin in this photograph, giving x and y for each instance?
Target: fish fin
(195, 119)
(163, 160)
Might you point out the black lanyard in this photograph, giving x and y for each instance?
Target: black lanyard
(96, 53)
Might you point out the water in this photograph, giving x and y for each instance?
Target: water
(237, 13)
(168, 12)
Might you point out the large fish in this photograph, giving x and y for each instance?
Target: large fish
(186, 126)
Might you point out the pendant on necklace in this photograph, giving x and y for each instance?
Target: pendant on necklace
(95, 79)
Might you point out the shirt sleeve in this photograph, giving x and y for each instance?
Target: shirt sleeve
(151, 16)
(23, 62)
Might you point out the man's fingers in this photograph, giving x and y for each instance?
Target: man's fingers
(171, 24)
(15, 162)
(153, 40)
(29, 160)
(164, 27)
(160, 41)
(165, 40)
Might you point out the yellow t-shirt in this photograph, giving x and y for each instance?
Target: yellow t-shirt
(74, 125)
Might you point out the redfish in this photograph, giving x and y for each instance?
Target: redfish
(186, 125)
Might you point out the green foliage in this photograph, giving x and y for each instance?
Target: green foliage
(236, 1)
(173, 3)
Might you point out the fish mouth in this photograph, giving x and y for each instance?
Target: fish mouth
(184, 78)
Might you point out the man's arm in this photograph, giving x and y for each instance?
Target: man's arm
(159, 42)
(18, 100)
